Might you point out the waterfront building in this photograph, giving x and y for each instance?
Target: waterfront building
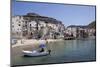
(33, 25)
(92, 32)
(77, 31)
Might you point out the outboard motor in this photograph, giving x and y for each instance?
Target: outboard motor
(49, 51)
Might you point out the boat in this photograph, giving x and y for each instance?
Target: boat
(35, 53)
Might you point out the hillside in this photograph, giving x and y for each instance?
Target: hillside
(92, 25)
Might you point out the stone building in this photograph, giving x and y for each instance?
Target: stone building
(33, 25)
(77, 31)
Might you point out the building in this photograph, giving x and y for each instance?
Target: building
(92, 32)
(77, 31)
(16, 25)
(33, 25)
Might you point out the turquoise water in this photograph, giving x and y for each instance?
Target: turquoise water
(63, 51)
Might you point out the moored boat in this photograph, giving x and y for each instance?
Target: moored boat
(35, 53)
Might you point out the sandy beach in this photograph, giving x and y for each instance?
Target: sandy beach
(34, 42)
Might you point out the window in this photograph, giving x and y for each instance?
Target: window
(26, 22)
(30, 24)
(18, 24)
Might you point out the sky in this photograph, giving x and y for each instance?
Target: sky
(67, 13)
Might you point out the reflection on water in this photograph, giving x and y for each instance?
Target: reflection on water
(65, 51)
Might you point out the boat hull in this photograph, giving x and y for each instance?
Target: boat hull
(36, 54)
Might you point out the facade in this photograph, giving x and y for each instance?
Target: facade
(35, 26)
(16, 25)
(92, 32)
(78, 31)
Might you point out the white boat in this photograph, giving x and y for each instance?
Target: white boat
(35, 53)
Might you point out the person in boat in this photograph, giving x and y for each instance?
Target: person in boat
(42, 46)
(42, 50)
